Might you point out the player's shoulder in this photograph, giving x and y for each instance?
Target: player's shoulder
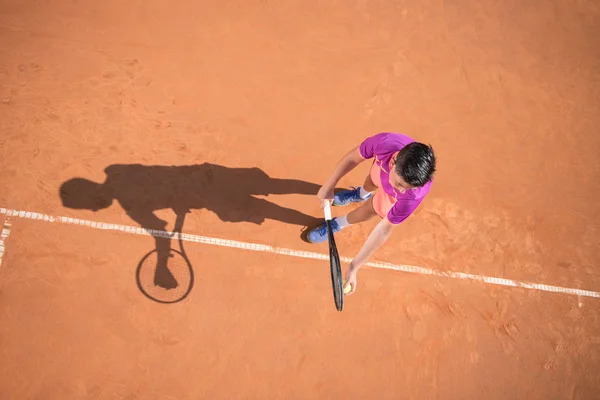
(387, 142)
(392, 137)
(416, 194)
(420, 192)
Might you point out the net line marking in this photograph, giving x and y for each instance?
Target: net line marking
(285, 251)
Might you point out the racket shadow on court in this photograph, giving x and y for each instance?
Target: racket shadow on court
(165, 274)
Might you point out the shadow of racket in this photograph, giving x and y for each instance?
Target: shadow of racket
(166, 278)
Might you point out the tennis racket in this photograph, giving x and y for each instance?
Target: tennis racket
(167, 280)
(334, 262)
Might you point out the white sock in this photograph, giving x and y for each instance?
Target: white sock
(363, 193)
(342, 221)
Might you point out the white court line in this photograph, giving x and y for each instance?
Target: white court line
(297, 253)
(4, 234)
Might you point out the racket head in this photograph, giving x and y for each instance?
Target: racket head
(336, 270)
(167, 284)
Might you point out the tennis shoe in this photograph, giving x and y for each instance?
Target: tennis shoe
(319, 234)
(346, 197)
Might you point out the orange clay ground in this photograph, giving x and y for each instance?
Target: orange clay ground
(507, 93)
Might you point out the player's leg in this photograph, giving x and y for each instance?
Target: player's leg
(363, 213)
(373, 205)
(369, 185)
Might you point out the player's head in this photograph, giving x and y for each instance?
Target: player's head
(414, 166)
(79, 193)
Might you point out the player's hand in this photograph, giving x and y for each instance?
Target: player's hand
(350, 278)
(325, 194)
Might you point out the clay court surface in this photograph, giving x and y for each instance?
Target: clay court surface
(507, 93)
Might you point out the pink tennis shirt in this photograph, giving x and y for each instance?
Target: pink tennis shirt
(383, 147)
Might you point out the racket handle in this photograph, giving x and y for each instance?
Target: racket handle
(327, 210)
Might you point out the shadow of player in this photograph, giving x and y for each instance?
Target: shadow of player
(228, 192)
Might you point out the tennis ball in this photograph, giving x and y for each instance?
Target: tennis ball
(346, 289)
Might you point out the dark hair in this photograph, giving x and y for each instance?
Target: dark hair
(416, 164)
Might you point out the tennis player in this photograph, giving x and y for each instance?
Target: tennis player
(400, 178)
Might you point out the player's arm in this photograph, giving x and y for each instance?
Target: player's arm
(401, 210)
(345, 165)
(382, 231)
